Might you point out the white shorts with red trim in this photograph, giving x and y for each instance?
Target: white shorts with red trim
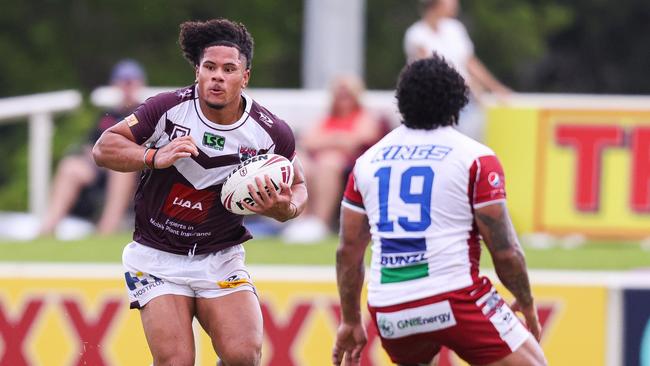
(474, 322)
(150, 273)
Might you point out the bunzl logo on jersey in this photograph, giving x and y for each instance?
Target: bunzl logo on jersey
(214, 141)
(422, 319)
(411, 152)
(403, 259)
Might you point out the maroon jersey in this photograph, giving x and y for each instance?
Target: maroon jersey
(178, 209)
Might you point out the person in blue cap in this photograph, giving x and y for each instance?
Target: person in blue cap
(80, 188)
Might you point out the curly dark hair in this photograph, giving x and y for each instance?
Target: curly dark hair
(196, 36)
(430, 94)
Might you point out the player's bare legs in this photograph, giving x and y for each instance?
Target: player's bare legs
(167, 323)
(234, 323)
(327, 183)
(528, 354)
(74, 173)
(119, 192)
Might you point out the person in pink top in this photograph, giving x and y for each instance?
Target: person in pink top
(331, 147)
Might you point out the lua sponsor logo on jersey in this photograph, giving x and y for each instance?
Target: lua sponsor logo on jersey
(412, 152)
(216, 142)
(403, 259)
(421, 319)
(188, 204)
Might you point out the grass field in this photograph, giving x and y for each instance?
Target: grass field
(592, 255)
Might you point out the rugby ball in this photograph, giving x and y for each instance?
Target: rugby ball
(235, 189)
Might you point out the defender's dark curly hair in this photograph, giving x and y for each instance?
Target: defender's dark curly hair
(430, 94)
(195, 37)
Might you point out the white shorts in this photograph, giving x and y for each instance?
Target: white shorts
(150, 273)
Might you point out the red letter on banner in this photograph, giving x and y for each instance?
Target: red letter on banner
(641, 169)
(282, 337)
(589, 142)
(91, 333)
(15, 333)
(371, 330)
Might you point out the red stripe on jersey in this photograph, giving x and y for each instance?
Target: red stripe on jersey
(351, 194)
(490, 181)
(275, 159)
(473, 241)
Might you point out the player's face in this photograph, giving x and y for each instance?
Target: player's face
(221, 75)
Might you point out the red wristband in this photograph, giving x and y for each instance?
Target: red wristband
(149, 155)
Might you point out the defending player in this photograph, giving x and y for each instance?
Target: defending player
(424, 195)
(186, 259)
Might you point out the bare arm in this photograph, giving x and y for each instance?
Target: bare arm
(499, 236)
(350, 272)
(484, 79)
(116, 149)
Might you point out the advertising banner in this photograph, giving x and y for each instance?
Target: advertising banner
(575, 170)
(70, 320)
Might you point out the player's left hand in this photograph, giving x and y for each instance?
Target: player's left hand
(532, 320)
(269, 202)
(350, 340)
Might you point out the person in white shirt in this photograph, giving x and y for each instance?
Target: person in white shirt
(424, 196)
(439, 31)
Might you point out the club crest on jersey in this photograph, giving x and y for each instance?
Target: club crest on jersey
(179, 131)
(494, 179)
(246, 152)
(213, 141)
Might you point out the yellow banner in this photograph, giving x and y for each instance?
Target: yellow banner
(67, 321)
(575, 171)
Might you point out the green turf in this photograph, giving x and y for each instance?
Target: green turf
(593, 255)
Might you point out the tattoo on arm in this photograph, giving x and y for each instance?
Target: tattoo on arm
(509, 262)
(350, 270)
(350, 280)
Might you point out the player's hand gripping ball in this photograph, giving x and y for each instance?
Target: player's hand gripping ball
(235, 189)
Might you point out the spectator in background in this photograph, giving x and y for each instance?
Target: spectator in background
(332, 146)
(439, 31)
(80, 187)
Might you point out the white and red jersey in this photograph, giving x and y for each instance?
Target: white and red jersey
(419, 189)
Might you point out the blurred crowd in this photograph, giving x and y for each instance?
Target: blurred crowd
(85, 198)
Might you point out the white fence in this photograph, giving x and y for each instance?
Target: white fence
(299, 107)
(39, 110)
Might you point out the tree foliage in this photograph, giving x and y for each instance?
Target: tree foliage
(586, 46)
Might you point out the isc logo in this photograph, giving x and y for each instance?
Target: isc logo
(214, 141)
